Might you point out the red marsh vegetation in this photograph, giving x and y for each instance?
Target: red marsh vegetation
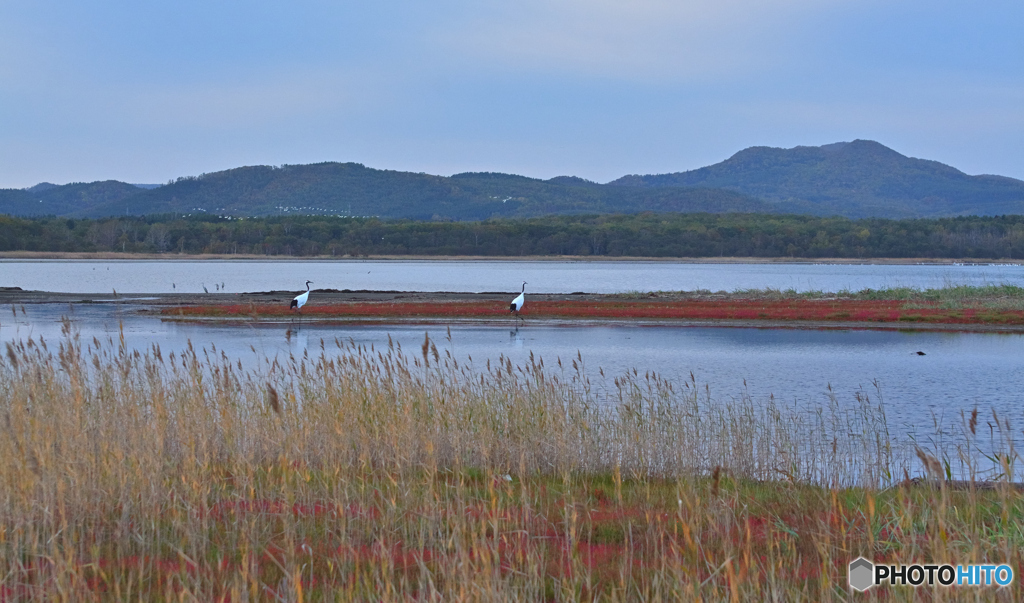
(797, 309)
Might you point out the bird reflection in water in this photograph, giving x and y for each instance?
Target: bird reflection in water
(515, 338)
(294, 336)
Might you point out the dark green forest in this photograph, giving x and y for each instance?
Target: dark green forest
(638, 235)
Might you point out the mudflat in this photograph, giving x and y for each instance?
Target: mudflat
(768, 310)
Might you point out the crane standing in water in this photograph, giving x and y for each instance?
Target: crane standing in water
(300, 300)
(517, 303)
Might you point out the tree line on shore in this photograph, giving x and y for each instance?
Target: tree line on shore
(639, 235)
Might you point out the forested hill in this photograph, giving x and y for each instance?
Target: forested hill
(351, 189)
(854, 179)
(47, 199)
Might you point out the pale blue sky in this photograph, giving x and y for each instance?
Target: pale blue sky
(148, 91)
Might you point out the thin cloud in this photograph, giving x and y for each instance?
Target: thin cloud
(670, 40)
(286, 96)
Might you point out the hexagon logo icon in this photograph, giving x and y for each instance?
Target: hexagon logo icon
(861, 574)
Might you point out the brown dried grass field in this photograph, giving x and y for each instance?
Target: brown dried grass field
(403, 475)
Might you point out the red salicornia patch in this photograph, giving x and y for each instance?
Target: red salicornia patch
(817, 310)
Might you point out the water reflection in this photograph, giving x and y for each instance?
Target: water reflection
(515, 338)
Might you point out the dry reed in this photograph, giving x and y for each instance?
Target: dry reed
(355, 473)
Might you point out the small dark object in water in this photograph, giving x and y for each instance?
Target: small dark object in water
(920, 353)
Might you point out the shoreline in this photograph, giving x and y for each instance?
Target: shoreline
(439, 308)
(29, 256)
(547, 321)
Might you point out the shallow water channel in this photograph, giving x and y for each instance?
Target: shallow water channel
(958, 372)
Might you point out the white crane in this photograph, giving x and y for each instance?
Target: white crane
(517, 303)
(300, 300)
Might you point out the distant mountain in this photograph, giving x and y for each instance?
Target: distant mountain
(355, 190)
(70, 199)
(856, 179)
(42, 187)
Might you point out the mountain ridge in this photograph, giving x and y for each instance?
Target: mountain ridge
(352, 189)
(881, 181)
(855, 179)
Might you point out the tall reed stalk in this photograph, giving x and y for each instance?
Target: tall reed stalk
(352, 472)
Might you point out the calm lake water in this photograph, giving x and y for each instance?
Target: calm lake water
(166, 276)
(958, 372)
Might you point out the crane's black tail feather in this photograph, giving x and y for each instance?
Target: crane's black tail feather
(295, 304)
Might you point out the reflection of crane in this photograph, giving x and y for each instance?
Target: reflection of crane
(300, 300)
(517, 303)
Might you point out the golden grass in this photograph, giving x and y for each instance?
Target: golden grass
(355, 473)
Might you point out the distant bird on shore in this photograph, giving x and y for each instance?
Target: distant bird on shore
(517, 303)
(300, 300)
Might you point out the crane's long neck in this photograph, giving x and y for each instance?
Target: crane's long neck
(524, 288)
(307, 286)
